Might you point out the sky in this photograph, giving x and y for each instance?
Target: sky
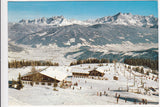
(80, 10)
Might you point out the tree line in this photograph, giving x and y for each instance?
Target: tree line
(19, 64)
(90, 60)
(153, 64)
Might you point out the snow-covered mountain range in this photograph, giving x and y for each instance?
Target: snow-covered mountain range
(120, 19)
(55, 20)
(120, 36)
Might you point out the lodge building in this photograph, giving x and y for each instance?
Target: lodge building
(38, 77)
(49, 75)
(82, 73)
(95, 72)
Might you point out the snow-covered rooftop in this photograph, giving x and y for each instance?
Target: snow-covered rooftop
(102, 69)
(80, 70)
(55, 72)
(84, 69)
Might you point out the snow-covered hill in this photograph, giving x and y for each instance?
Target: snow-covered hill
(87, 95)
(99, 34)
(120, 19)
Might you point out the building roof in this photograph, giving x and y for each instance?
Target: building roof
(102, 69)
(58, 73)
(55, 72)
(80, 70)
(13, 73)
(87, 70)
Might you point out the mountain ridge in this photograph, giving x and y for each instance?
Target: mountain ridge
(99, 34)
(117, 19)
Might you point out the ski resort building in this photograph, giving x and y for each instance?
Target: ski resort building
(96, 72)
(49, 75)
(81, 73)
(86, 72)
(99, 71)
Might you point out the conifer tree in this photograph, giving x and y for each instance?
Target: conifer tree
(19, 82)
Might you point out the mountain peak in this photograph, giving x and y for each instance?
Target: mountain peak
(118, 14)
(129, 14)
(151, 15)
(58, 17)
(121, 14)
(129, 19)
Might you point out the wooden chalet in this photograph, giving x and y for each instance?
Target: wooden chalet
(49, 75)
(95, 72)
(86, 72)
(80, 72)
(38, 77)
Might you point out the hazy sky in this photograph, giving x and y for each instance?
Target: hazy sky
(80, 10)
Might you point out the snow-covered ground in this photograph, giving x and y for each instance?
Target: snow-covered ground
(87, 95)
